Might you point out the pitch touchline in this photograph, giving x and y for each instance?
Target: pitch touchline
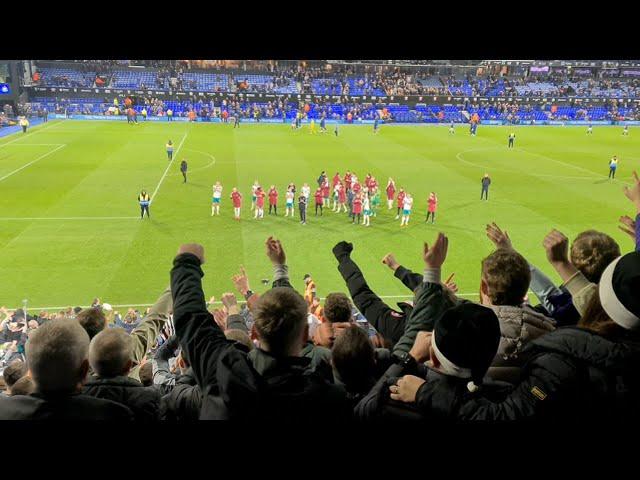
(68, 218)
(29, 134)
(33, 161)
(217, 302)
(153, 195)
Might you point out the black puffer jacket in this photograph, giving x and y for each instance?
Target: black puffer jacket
(573, 375)
(143, 401)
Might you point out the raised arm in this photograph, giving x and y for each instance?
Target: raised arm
(145, 334)
(276, 254)
(162, 376)
(200, 337)
(557, 247)
(431, 300)
(410, 279)
(633, 194)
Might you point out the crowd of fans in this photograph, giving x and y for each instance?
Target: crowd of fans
(282, 355)
(345, 79)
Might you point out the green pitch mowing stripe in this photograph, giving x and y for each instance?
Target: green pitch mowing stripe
(70, 227)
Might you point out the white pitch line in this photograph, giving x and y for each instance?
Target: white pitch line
(33, 161)
(217, 302)
(37, 144)
(29, 134)
(153, 195)
(66, 218)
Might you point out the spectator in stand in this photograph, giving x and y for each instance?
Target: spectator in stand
(389, 322)
(11, 374)
(143, 335)
(110, 356)
(585, 372)
(272, 382)
(591, 252)
(57, 360)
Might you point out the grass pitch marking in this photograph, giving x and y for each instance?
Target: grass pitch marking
(21, 137)
(164, 175)
(217, 302)
(62, 145)
(66, 218)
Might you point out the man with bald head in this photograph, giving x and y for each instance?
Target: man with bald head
(57, 362)
(110, 357)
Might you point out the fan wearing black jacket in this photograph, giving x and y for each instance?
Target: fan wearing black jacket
(110, 358)
(459, 344)
(269, 383)
(386, 320)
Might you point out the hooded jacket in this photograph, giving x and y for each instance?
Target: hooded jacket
(518, 327)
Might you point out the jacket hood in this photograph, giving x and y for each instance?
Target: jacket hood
(518, 327)
(589, 347)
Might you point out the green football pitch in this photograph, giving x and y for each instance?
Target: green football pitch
(70, 228)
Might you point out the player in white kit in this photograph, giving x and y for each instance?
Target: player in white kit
(215, 200)
(406, 209)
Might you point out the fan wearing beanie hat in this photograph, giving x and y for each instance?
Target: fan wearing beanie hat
(619, 291)
(465, 341)
(462, 346)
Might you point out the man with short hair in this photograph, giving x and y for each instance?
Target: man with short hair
(57, 360)
(11, 374)
(110, 354)
(143, 335)
(486, 181)
(272, 381)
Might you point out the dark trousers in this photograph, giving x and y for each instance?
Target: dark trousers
(612, 173)
(170, 155)
(485, 193)
(303, 213)
(318, 205)
(184, 174)
(24, 129)
(510, 143)
(356, 217)
(388, 322)
(144, 208)
(433, 216)
(275, 209)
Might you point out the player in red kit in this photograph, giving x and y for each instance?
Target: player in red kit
(357, 208)
(347, 180)
(336, 179)
(342, 198)
(356, 187)
(236, 198)
(391, 192)
(319, 200)
(373, 184)
(259, 203)
(273, 200)
(325, 192)
(433, 205)
(400, 203)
